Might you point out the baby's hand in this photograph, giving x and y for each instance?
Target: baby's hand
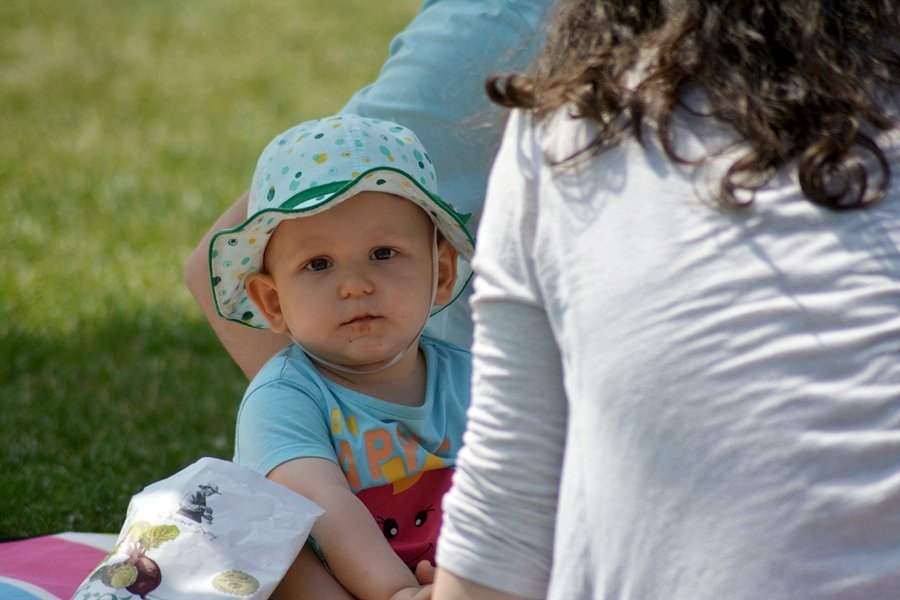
(425, 576)
(425, 572)
(413, 593)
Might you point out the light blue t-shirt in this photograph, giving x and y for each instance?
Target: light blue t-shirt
(433, 83)
(397, 459)
(291, 411)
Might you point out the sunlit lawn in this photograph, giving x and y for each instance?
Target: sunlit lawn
(126, 127)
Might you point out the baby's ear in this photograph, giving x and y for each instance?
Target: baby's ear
(447, 256)
(263, 292)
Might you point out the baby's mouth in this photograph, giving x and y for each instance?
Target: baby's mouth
(361, 319)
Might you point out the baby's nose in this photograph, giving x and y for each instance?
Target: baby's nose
(356, 283)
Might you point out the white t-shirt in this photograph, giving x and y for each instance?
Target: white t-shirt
(671, 400)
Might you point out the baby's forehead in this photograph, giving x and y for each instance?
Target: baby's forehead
(364, 214)
(373, 196)
(381, 208)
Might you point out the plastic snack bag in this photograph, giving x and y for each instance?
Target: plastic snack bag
(214, 530)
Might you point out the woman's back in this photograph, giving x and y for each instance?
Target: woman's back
(733, 382)
(687, 306)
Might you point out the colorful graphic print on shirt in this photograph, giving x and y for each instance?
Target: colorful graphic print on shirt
(382, 453)
(409, 513)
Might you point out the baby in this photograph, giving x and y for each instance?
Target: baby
(348, 250)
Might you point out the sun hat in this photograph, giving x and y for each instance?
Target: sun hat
(315, 166)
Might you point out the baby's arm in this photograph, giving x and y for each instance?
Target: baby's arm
(352, 543)
(308, 579)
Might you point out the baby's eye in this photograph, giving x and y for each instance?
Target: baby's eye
(318, 264)
(383, 253)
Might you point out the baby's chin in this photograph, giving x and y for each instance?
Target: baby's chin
(364, 354)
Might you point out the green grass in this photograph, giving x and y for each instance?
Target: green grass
(126, 127)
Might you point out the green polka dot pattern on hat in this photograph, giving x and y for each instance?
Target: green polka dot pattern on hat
(310, 168)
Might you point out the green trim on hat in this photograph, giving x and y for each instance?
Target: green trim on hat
(319, 190)
(292, 204)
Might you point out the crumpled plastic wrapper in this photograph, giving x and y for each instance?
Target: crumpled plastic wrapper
(214, 530)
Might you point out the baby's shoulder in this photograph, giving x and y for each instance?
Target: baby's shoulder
(289, 372)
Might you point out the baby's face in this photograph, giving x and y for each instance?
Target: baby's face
(354, 283)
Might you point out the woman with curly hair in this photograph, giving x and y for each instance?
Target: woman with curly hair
(687, 311)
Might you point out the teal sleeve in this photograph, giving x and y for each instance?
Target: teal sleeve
(433, 83)
(280, 421)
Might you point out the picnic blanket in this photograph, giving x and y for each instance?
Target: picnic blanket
(50, 567)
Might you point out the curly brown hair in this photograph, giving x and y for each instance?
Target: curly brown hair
(797, 80)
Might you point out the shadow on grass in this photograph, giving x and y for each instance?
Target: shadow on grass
(89, 419)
